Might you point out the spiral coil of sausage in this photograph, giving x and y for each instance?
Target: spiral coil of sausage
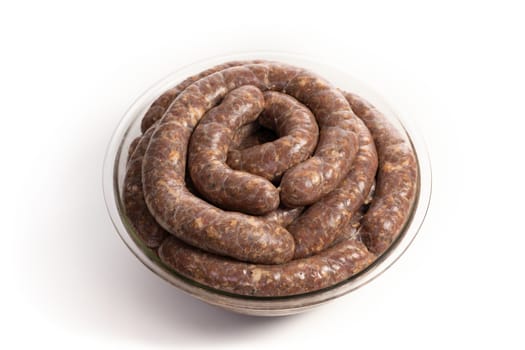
(259, 178)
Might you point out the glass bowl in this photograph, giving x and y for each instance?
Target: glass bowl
(129, 127)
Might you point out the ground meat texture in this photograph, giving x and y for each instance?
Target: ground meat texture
(332, 266)
(229, 189)
(298, 133)
(322, 222)
(396, 180)
(148, 230)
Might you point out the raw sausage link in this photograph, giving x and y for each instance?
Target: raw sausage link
(396, 180)
(148, 231)
(161, 104)
(332, 266)
(203, 225)
(321, 223)
(298, 134)
(229, 189)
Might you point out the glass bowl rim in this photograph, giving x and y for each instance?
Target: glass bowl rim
(265, 306)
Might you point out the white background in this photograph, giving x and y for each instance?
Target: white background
(68, 73)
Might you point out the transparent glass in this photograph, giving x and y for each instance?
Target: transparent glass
(129, 127)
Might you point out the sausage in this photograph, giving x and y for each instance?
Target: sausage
(161, 104)
(147, 229)
(229, 189)
(200, 224)
(396, 180)
(322, 233)
(322, 222)
(298, 134)
(309, 181)
(326, 269)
